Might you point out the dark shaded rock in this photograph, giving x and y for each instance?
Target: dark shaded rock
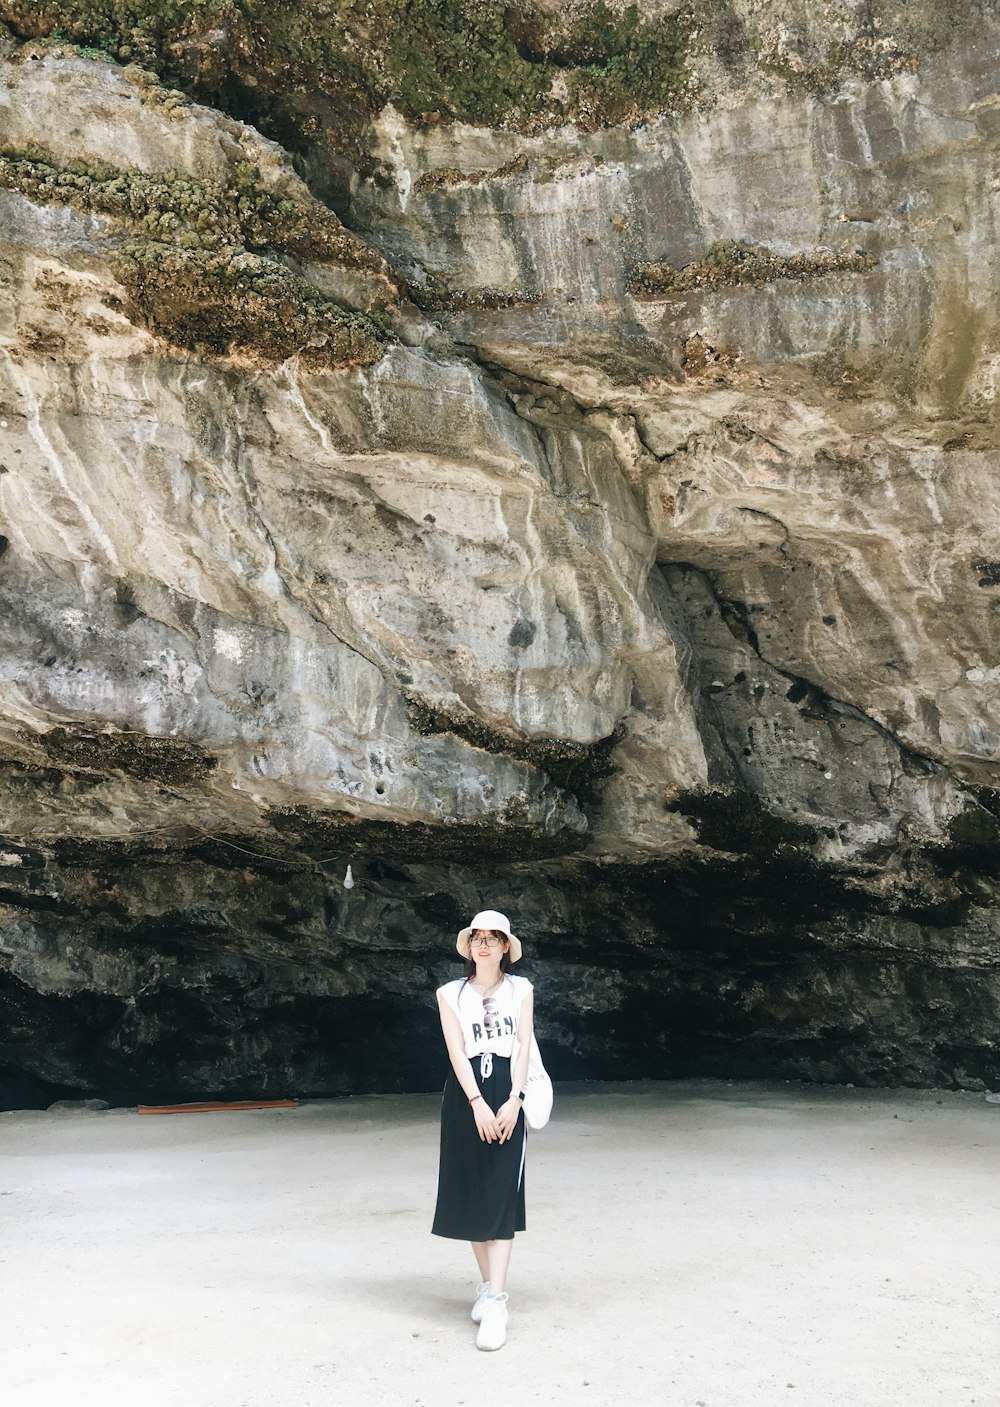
(78, 1106)
(21, 1090)
(171, 760)
(286, 984)
(739, 822)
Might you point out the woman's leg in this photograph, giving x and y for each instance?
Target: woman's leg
(482, 1258)
(498, 1259)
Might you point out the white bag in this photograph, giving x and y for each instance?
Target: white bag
(538, 1090)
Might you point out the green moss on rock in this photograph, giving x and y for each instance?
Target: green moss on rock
(621, 68)
(479, 61)
(152, 92)
(871, 53)
(461, 57)
(730, 263)
(127, 30)
(435, 295)
(198, 260)
(209, 214)
(447, 177)
(227, 300)
(304, 71)
(497, 65)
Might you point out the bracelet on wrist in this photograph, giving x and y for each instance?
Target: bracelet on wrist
(474, 1098)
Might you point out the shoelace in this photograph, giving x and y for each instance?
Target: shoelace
(486, 1064)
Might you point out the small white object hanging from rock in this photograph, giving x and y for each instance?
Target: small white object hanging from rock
(348, 879)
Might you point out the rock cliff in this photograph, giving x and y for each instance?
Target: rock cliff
(545, 457)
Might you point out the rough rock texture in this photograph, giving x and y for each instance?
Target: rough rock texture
(595, 521)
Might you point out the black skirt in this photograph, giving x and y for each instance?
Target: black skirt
(480, 1185)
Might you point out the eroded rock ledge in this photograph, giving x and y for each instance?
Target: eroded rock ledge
(594, 517)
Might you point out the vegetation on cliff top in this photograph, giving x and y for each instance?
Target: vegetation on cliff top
(309, 68)
(198, 258)
(479, 61)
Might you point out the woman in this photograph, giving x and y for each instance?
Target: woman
(486, 1018)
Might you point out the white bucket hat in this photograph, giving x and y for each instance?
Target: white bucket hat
(489, 918)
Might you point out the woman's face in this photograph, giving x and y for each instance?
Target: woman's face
(486, 943)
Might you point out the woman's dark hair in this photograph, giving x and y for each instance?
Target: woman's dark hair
(470, 965)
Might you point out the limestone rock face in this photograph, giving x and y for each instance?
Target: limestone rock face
(595, 524)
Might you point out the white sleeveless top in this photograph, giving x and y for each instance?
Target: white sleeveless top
(489, 1025)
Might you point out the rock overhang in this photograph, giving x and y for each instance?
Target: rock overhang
(673, 590)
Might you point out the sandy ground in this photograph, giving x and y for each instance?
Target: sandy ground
(702, 1244)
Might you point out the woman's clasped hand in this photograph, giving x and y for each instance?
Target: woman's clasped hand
(496, 1127)
(486, 1121)
(507, 1117)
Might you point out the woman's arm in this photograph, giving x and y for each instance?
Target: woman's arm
(508, 1112)
(486, 1122)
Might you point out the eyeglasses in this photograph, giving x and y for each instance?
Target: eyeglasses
(490, 940)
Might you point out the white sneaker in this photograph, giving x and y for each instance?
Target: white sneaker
(493, 1325)
(482, 1295)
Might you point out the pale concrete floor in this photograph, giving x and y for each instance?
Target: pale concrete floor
(696, 1244)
